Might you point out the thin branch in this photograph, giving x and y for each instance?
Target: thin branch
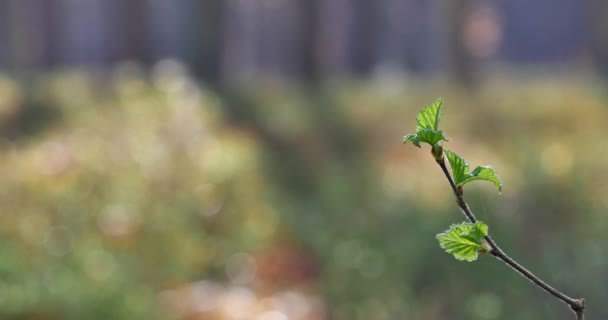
(577, 305)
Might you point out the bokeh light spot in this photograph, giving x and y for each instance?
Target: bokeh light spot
(116, 220)
(205, 296)
(99, 264)
(486, 306)
(557, 159)
(241, 268)
(58, 241)
(272, 315)
(238, 303)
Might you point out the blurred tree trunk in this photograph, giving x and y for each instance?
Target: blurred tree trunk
(166, 23)
(279, 50)
(203, 36)
(239, 40)
(364, 36)
(51, 24)
(308, 49)
(402, 35)
(135, 26)
(5, 35)
(26, 39)
(598, 43)
(461, 64)
(85, 33)
(261, 38)
(335, 19)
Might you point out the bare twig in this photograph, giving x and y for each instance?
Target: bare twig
(577, 305)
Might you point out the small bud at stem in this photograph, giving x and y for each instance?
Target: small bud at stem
(437, 152)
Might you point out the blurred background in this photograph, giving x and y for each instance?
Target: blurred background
(242, 159)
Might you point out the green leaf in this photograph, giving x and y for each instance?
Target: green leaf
(429, 116)
(430, 136)
(461, 174)
(427, 123)
(413, 138)
(459, 167)
(463, 240)
(486, 173)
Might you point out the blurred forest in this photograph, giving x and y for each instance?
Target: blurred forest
(227, 41)
(242, 159)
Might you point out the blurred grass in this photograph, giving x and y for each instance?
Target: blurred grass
(142, 195)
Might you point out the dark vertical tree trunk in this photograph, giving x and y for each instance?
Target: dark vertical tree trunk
(51, 30)
(5, 35)
(202, 37)
(598, 41)
(277, 49)
(239, 30)
(461, 64)
(135, 26)
(166, 28)
(85, 30)
(402, 35)
(26, 41)
(335, 21)
(261, 38)
(309, 40)
(364, 36)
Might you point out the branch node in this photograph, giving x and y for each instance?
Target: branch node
(437, 152)
(576, 305)
(579, 306)
(460, 202)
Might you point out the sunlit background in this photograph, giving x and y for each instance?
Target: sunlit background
(242, 159)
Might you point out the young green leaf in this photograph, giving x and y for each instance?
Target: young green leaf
(427, 123)
(461, 174)
(464, 240)
(484, 173)
(413, 138)
(430, 136)
(429, 116)
(459, 167)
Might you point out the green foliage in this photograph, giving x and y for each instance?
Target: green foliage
(118, 200)
(427, 126)
(429, 116)
(464, 240)
(123, 199)
(461, 174)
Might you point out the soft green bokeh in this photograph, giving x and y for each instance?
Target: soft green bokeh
(149, 196)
